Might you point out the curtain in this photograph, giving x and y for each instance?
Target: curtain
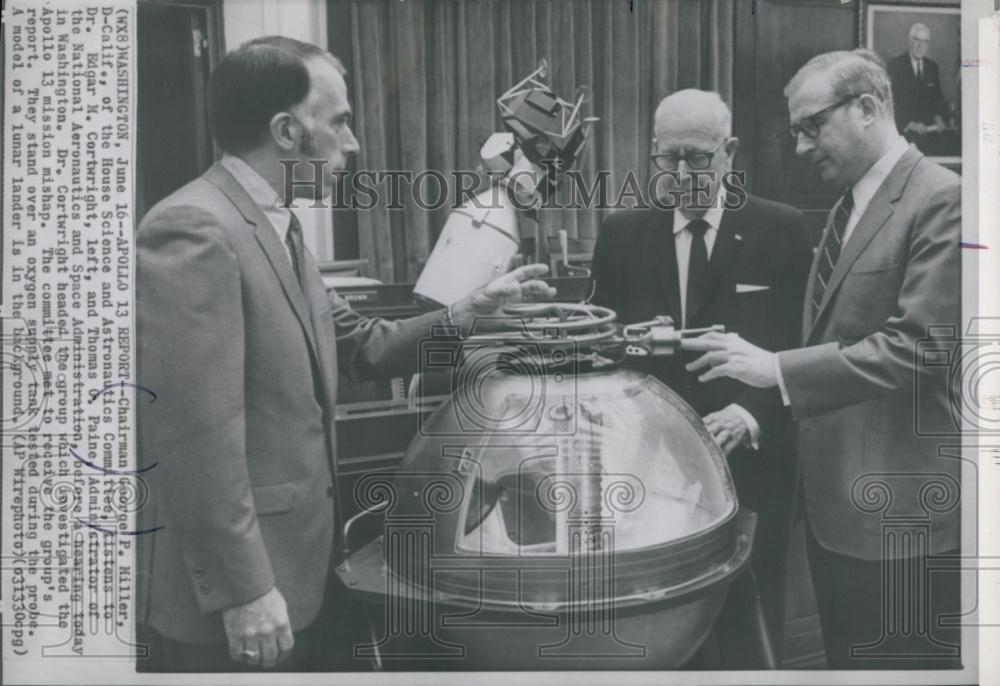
(424, 76)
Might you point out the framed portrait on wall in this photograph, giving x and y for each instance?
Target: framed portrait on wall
(920, 43)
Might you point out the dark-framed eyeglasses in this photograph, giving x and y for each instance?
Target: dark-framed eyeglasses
(811, 125)
(669, 161)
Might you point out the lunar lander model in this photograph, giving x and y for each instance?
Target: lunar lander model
(558, 511)
(545, 137)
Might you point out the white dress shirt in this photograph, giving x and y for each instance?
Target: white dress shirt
(682, 250)
(863, 191)
(263, 195)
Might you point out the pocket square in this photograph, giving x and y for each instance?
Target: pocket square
(750, 288)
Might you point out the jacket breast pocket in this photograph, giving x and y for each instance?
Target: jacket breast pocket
(749, 310)
(272, 500)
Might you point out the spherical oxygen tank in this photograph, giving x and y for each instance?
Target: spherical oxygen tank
(546, 487)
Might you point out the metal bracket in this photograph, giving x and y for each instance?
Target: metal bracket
(658, 337)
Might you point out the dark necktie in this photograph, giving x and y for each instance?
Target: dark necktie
(830, 250)
(297, 249)
(697, 267)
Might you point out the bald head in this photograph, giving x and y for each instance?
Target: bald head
(919, 30)
(690, 112)
(693, 149)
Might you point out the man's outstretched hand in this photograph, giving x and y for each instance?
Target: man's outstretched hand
(515, 286)
(259, 632)
(726, 354)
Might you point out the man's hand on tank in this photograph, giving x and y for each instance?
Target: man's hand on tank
(728, 428)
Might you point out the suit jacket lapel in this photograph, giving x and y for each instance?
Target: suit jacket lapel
(808, 321)
(728, 243)
(661, 255)
(269, 243)
(876, 215)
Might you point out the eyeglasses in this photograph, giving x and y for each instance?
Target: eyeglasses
(811, 125)
(668, 161)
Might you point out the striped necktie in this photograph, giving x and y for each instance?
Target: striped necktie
(830, 250)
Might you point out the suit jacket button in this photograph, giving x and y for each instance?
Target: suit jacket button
(203, 589)
(199, 572)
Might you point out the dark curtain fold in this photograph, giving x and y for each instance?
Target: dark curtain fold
(425, 75)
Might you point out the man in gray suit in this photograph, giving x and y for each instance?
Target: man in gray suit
(887, 269)
(241, 344)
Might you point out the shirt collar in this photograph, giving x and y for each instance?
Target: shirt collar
(866, 187)
(713, 215)
(263, 194)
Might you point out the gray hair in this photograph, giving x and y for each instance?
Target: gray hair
(919, 25)
(850, 72)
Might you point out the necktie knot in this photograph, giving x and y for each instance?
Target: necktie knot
(698, 227)
(847, 202)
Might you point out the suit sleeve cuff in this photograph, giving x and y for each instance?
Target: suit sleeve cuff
(751, 423)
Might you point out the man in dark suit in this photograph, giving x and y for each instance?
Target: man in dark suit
(241, 343)
(916, 87)
(703, 264)
(886, 274)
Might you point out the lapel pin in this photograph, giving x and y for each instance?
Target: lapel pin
(738, 236)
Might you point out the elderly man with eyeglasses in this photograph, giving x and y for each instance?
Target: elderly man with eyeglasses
(705, 255)
(916, 87)
(886, 277)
